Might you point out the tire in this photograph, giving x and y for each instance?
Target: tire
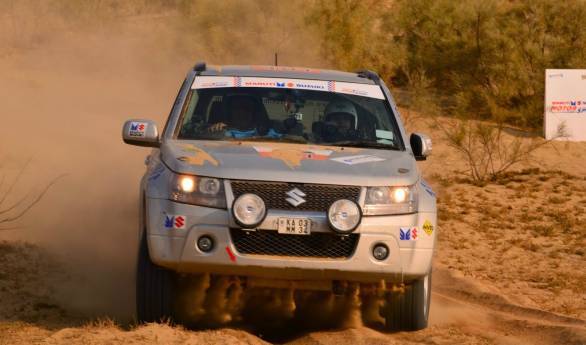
(155, 287)
(408, 310)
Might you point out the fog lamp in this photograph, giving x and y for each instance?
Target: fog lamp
(205, 243)
(344, 216)
(249, 210)
(380, 251)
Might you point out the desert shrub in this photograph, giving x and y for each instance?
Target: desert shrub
(487, 149)
(13, 205)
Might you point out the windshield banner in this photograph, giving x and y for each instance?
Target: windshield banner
(206, 82)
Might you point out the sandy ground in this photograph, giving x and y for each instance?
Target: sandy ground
(509, 267)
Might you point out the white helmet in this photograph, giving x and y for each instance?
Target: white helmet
(342, 107)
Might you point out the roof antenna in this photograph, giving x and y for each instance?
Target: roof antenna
(276, 59)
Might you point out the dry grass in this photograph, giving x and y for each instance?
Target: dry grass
(526, 227)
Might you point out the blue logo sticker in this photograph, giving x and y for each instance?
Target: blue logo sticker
(427, 188)
(408, 234)
(169, 221)
(158, 171)
(405, 234)
(175, 222)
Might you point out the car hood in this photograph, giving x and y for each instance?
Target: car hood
(284, 162)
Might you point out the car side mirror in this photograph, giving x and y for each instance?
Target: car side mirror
(140, 133)
(421, 146)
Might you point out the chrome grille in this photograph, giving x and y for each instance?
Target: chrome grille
(318, 245)
(318, 197)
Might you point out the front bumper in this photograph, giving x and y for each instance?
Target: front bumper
(176, 248)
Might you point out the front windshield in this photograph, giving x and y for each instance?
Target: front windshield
(283, 113)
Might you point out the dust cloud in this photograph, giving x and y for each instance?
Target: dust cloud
(276, 314)
(70, 74)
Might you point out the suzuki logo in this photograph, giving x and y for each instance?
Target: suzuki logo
(295, 197)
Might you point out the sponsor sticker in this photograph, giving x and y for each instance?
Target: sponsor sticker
(197, 156)
(331, 86)
(292, 157)
(366, 90)
(427, 188)
(137, 129)
(175, 222)
(408, 234)
(230, 254)
(428, 227)
(209, 82)
(359, 159)
(568, 107)
(158, 171)
(373, 91)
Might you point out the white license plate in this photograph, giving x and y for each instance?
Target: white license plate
(294, 226)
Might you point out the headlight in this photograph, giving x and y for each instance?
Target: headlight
(390, 200)
(195, 190)
(344, 216)
(249, 210)
(187, 184)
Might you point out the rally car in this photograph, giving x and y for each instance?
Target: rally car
(285, 177)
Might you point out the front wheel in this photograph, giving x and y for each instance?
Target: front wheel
(408, 310)
(155, 287)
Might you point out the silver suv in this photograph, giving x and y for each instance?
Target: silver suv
(285, 177)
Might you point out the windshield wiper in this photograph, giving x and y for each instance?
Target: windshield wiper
(365, 144)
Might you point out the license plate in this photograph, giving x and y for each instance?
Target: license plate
(294, 226)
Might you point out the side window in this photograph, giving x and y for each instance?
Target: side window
(194, 114)
(175, 105)
(190, 109)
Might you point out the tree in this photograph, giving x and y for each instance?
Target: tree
(486, 58)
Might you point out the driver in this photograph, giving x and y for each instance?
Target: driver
(341, 120)
(243, 114)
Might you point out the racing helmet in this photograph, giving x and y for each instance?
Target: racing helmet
(343, 107)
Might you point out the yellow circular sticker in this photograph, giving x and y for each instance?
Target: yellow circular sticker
(428, 227)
